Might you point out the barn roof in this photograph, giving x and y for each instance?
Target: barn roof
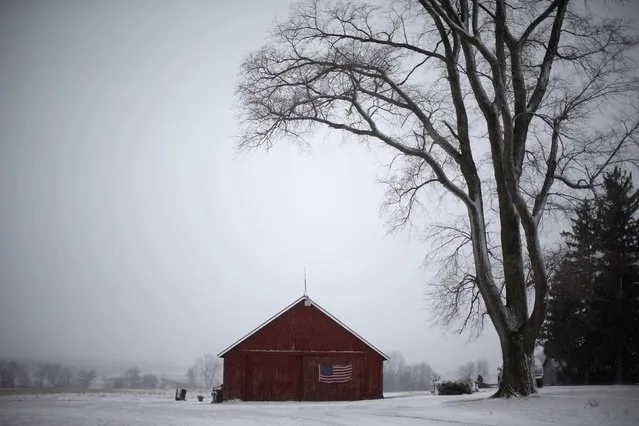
(324, 311)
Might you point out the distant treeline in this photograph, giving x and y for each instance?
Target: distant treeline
(399, 376)
(476, 370)
(206, 372)
(14, 374)
(132, 379)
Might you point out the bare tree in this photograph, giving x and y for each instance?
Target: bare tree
(466, 371)
(191, 375)
(509, 107)
(481, 367)
(209, 367)
(472, 369)
(13, 375)
(85, 378)
(395, 364)
(399, 376)
(107, 383)
(54, 375)
(40, 377)
(132, 378)
(149, 381)
(393, 370)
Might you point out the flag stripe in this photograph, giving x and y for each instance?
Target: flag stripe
(335, 373)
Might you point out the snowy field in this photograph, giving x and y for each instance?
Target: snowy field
(583, 406)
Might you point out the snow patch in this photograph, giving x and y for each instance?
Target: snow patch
(616, 405)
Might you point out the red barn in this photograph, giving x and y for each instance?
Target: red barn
(302, 353)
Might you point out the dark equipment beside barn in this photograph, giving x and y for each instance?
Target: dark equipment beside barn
(181, 396)
(217, 394)
(303, 353)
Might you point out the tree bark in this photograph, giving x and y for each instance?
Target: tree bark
(619, 373)
(517, 369)
(622, 340)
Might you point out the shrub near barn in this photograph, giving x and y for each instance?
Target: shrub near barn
(455, 387)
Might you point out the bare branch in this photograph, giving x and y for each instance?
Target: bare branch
(511, 107)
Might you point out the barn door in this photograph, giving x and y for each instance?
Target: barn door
(273, 377)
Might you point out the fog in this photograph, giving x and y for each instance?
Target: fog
(132, 230)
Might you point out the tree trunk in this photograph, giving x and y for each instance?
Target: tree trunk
(619, 375)
(622, 340)
(517, 371)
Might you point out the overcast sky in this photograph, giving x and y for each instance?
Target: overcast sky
(130, 230)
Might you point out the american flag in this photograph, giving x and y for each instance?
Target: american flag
(335, 373)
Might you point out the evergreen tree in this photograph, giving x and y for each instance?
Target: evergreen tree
(619, 265)
(568, 332)
(593, 310)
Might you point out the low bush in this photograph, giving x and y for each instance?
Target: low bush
(455, 387)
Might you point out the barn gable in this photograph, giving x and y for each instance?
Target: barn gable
(292, 314)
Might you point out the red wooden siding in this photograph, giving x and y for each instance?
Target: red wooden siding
(272, 377)
(314, 390)
(280, 361)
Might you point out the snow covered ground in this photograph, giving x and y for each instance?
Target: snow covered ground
(583, 406)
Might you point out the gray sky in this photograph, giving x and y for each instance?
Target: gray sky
(129, 228)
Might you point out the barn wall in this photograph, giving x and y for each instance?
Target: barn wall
(304, 328)
(234, 375)
(272, 377)
(279, 362)
(294, 376)
(314, 390)
(375, 370)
